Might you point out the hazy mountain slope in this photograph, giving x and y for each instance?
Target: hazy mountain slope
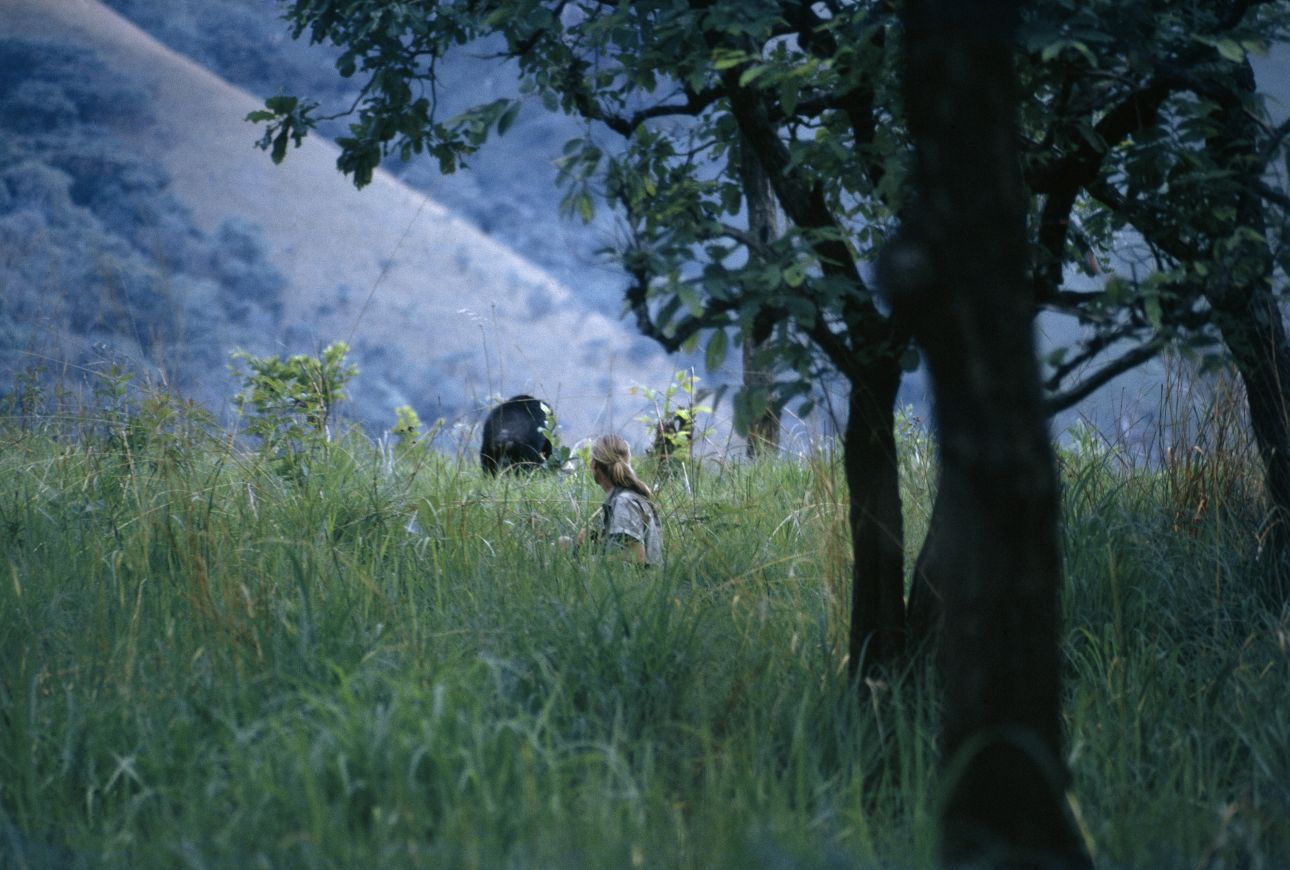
(439, 315)
(100, 265)
(509, 191)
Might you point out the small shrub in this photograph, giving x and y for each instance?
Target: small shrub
(288, 403)
(671, 420)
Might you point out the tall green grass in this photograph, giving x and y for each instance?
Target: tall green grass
(385, 661)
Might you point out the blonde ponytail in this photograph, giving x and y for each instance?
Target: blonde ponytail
(612, 455)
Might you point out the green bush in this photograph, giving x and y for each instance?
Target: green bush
(289, 403)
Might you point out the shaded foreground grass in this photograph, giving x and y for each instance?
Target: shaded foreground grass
(385, 662)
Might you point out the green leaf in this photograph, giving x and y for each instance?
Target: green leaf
(508, 117)
(1228, 49)
(280, 145)
(788, 90)
(1055, 49)
(1151, 305)
(749, 75)
(690, 299)
(724, 58)
(718, 346)
(802, 311)
(732, 198)
(281, 104)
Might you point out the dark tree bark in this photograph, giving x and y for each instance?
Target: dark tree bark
(763, 227)
(1258, 345)
(958, 273)
(877, 526)
(1250, 319)
(763, 432)
(1253, 331)
(926, 610)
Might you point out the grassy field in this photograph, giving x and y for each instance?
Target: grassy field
(381, 660)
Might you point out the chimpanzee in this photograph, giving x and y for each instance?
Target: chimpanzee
(513, 435)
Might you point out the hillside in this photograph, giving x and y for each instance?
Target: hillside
(509, 191)
(439, 315)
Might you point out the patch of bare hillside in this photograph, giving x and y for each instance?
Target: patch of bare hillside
(439, 315)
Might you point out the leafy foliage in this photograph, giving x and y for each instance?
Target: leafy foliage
(288, 402)
(561, 453)
(1121, 115)
(674, 413)
(407, 428)
(1147, 131)
(660, 86)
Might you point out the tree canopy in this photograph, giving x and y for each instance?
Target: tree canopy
(1146, 122)
(1130, 127)
(665, 90)
(1121, 101)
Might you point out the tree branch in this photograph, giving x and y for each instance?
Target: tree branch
(1169, 243)
(1072, 301)
(714, 315)
(1272, 195)
(1126, 362)
(1063, 180)
(1098, 343)
(695, 104)
(1273, 145)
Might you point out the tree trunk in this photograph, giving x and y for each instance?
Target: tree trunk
(763, 431)
(877, 526)
(926, 610)
(1256, 338)
(958, 273)
(763, 226)
(1253, 329)
(870, 459)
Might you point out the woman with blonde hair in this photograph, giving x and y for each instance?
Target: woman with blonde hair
(629, 519)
